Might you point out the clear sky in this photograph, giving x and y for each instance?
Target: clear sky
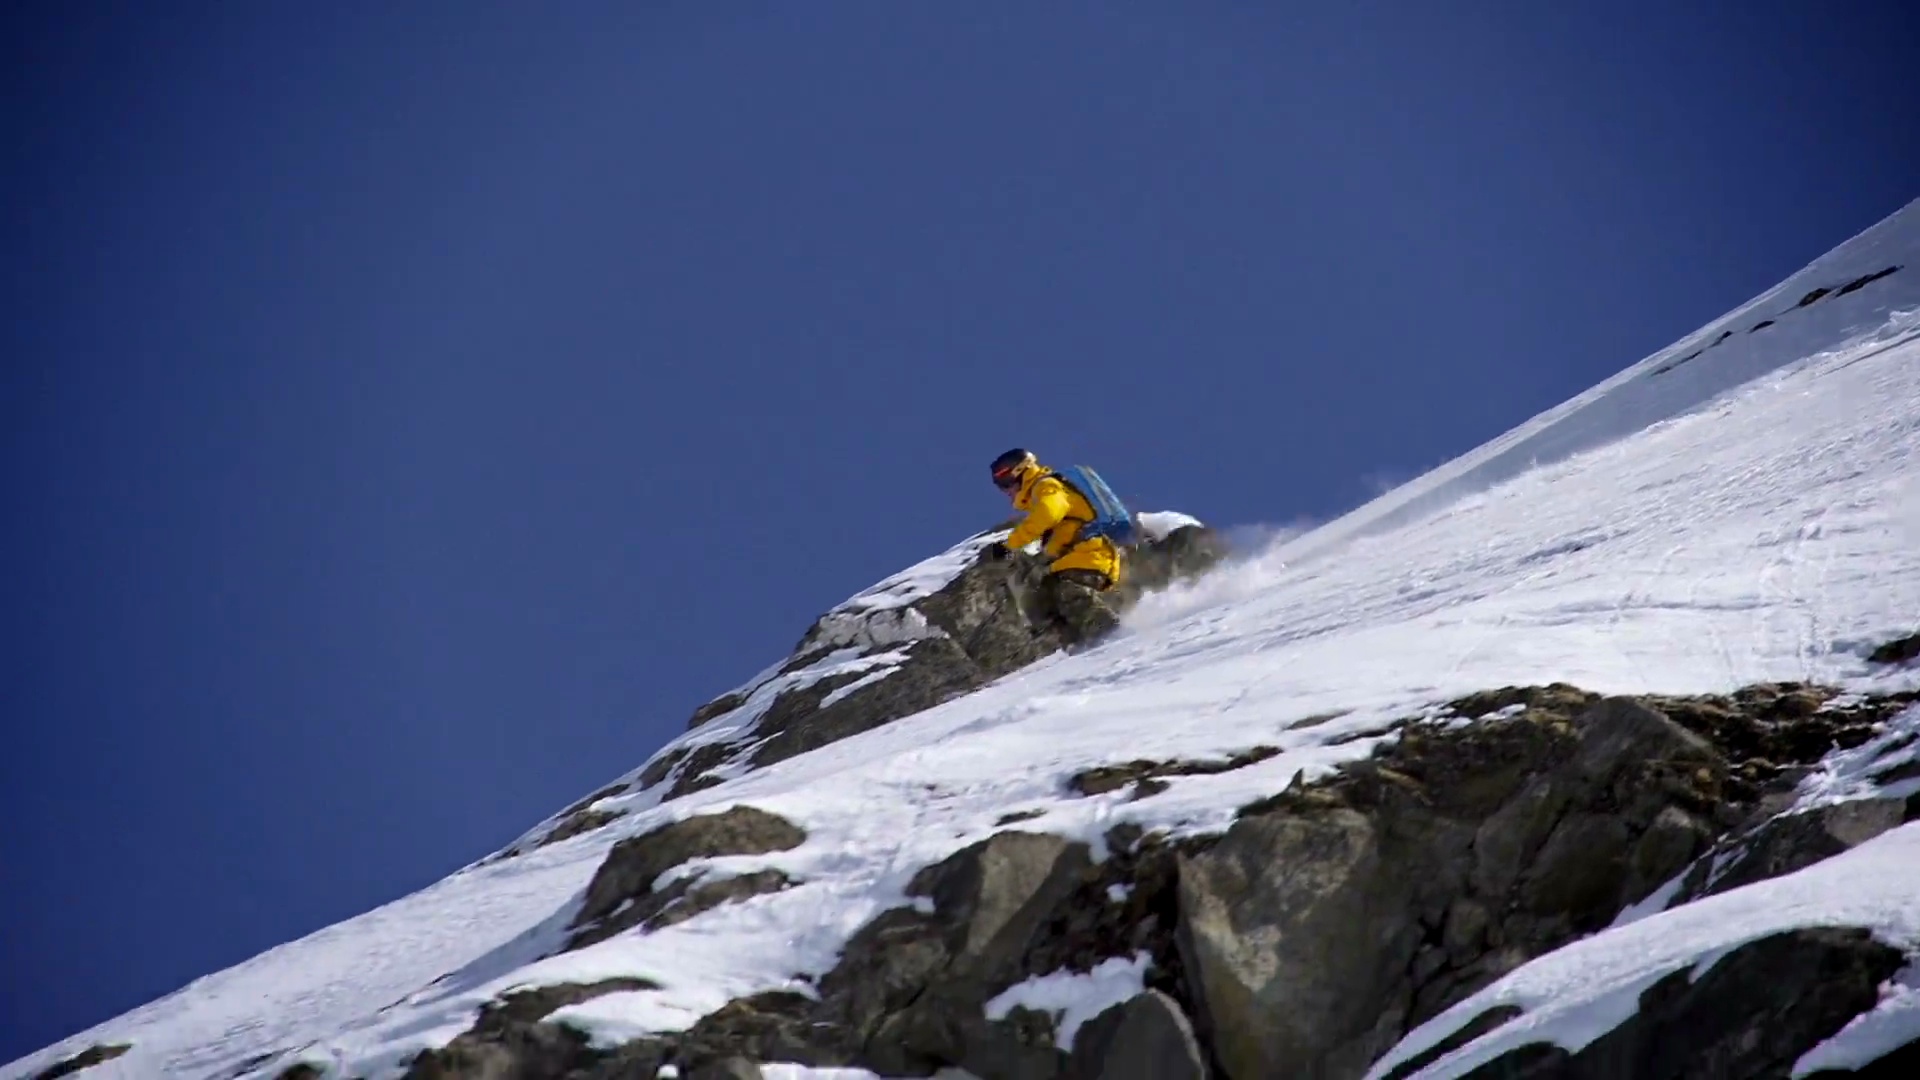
(413, 411)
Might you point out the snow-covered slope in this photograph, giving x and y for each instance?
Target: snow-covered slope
(1843, 296)
(1736, 509)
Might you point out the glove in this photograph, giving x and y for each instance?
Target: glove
(997, 551)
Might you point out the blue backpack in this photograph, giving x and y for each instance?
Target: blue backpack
(1111, 518)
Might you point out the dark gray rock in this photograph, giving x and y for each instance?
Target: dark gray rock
(919, 989)
(1865, 280)
(1311, 936)
(733, 1068)
(1104, 778)
(1146, 1037)
(621, 895)
(981, 626)
(1295, 930)
(993, 896)
(1329, 920)
(1753, 1014)
(1182, 554)
(1897, 651)
(85, 1059)
(1790, 842)
(511, 1041)
(936, 670)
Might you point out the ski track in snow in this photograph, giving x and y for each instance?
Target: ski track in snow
(1770, 533)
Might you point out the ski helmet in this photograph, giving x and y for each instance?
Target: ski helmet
(1008, 467)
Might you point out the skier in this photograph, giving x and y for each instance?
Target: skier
(1080, 570)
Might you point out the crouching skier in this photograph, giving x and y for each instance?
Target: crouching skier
(1081, 526)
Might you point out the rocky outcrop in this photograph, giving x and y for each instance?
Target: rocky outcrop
(1326, 923)
(976, 628)
(622, 894)
(908, 996)
(1752, 1014)
(1332, 919)
(85, 1059)
(1807, 299)
(1897, 651)
(1791, 842)
(1146, 1038)
(509, 1041)
(898, 649)
(1146, 776)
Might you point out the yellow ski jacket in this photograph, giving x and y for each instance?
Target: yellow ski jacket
(1055, 513)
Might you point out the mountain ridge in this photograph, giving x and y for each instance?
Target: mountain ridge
(1719, 563)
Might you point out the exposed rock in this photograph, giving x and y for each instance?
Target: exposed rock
(510, 1041)
(1126, 905)
(972, 631)
(1770, 731)
(1759, 326)
(1897, 651)
(1328, 921)
(1812, 296)
(1146, 1037)
(622, 894)
(995, 894)
(575, 820)
(1865, 280)
(906, 998)
(85, 1059)
(1333, 918)
(1791, 842)
(989, 900)
(1181, 554)
(1555, 699)
(580, 823)
(1471, 1030)
(719, 706)
(1752, 1014)
(733, 1068)
(1694, 355)
(1104, 778)
(936, 670)
(908, 994)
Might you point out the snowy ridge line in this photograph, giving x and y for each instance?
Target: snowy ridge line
(875, 618)
(1209, 685)
(1854, 318)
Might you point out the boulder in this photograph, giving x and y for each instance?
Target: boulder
(975, 628)
(1331, 919)
(622, 894)
(85, 1059)
(1147, 1037)
(1790, 842)
(1752, 1014)
(733, 1068)
(511, 1041)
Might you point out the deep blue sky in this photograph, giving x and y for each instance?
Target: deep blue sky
(413, 411)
